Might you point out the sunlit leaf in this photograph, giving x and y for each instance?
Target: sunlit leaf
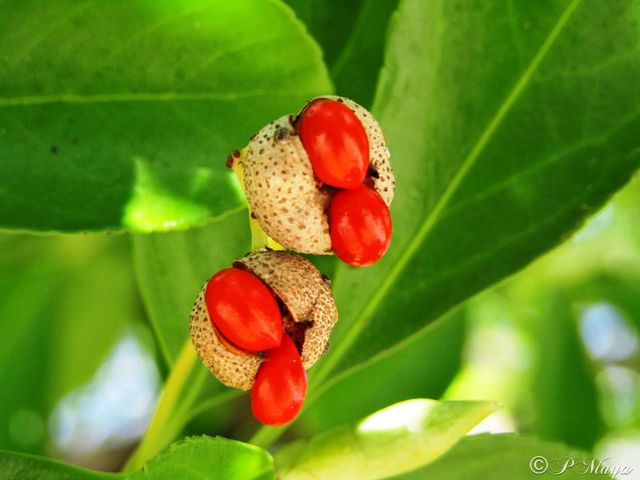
(422, 368)
(397, 439)
(120, 115)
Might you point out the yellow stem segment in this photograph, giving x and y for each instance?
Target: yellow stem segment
(170, 417)
(259, 238)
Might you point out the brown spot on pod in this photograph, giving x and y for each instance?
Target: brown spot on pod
(291, 207)
(231, 365)
(308, 307)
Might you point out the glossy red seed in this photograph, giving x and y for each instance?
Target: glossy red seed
(359, 225)
(336, 142)
(281, 385)
(244, 310)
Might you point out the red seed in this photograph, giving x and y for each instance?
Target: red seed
(359, 225)
(281, 385)
(244, 310)
(336, 142)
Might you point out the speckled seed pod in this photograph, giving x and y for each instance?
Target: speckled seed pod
(305, 300)
(285, 196)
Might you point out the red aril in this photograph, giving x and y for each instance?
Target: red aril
(359, 225)
(281, 385)
(244, 310)
(336, 142)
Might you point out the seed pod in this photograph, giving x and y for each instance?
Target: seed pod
(308, 309)
(285, 196)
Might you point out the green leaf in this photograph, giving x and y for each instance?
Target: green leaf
(561, 369)
(126, 123)
(496, 457)
(508, 123)
(422, 368)
(397, 439)
(172, 267)
(352, 36)
(211, 458)
(22, 466)
(192, 459)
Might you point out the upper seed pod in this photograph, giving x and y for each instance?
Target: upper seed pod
(307, 307)
(288, 200)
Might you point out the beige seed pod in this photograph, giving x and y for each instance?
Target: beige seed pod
(287, 199)
(309, 313)
(305, 294)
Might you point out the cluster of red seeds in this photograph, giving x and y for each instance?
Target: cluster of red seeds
(338, 147)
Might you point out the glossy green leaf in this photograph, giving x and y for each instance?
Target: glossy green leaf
(352, 36)
(120, 115)
(497, 457)
(211, 458)
(508, 123)
(192, 459)
(397, 439)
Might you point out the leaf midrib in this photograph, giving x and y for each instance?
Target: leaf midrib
(434, 215)
(135, 97)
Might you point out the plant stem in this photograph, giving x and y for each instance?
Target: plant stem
(170, 417)
(259, 238)
(154, 439)
(212, 403)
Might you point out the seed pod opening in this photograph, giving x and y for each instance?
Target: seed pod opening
(309, 311)
(289, 202)
(307, 307)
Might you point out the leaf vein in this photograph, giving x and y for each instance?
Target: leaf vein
(442, 203)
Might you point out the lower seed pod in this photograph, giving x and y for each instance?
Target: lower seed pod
(306, 307)
(287, 196)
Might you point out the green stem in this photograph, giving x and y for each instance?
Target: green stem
(194, 390)
(170, 417)
(212, 403)
(155, 438)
